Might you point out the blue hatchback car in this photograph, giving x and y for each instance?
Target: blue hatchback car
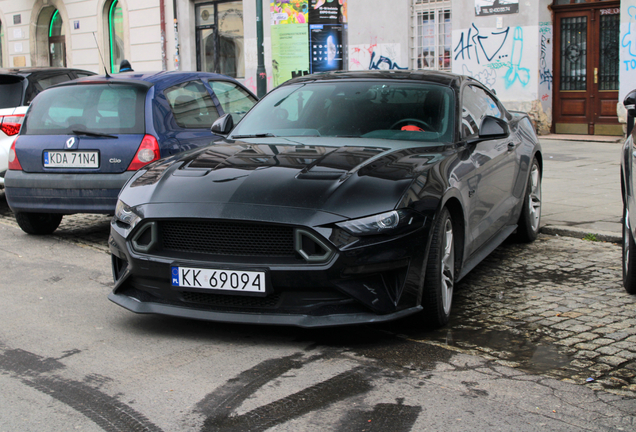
(81, 141)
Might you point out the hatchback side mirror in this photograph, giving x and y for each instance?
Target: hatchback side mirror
(223, 125)
(493, 127)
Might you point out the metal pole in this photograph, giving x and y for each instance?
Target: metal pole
(261, 73)
(176, 35)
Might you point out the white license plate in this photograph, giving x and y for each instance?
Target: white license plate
(226, 280)
(71, 159)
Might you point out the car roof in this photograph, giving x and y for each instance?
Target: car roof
(162, 79)
(436, 77)
(29, 70)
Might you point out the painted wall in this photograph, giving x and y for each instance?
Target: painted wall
(379, 34)
(503, 52)
(627, 69)
(82, 20)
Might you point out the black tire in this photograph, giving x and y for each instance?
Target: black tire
(38, 223)
(530, 218)
(629, 255)
(439, 281)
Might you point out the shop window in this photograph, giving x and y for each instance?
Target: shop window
(219, 38)
(1, 43)
(432, 39)
(115, 35)
(57, 41)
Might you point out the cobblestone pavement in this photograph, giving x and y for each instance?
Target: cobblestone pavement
(555, 307)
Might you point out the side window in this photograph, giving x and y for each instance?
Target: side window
(39, 84)
(233, 99)
(476, 104)
(48, 81)
(191, 105)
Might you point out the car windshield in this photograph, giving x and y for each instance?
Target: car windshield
(11, 88)
(369, 109)
(96, 108)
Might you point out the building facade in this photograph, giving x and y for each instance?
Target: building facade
(568, 63)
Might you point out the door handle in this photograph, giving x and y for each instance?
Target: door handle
(595, 75)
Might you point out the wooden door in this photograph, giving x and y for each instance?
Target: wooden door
(586, 49)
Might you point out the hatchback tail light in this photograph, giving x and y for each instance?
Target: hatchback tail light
(148, 152)
(11, 124)
(14, 163)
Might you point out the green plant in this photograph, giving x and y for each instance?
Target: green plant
(590, 237)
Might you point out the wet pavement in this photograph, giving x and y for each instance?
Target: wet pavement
(554, 308)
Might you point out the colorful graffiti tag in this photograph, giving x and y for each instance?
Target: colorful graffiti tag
(629, 40)
(375, 56)
(499, 58)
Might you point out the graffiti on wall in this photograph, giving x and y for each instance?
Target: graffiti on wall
(545, 65)
(629, 41)
(375, 56)
(504, 59)
(486, 55)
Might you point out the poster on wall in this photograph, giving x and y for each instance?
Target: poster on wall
(326, 44)
(327, 11)
(290, 53)
(496, 7)
(289, 12)
(289, 33)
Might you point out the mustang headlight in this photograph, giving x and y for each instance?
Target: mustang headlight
(376, 224)
(126, 214)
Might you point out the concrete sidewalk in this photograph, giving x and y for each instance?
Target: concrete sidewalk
(581, 187)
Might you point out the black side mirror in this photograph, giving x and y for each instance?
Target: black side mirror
(630, 106)
(630, 103)
(493, 127)
(223, 125)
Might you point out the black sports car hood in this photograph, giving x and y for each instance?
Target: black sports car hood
(345, 177)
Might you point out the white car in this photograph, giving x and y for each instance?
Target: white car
(10, 122)
(18, 87)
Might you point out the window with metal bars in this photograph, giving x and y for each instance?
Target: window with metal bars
(431, 35)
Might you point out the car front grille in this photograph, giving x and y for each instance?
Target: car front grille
(231, 300)
(227, 238)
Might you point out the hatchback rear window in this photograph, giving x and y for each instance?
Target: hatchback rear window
(100, 108)
(11, 89)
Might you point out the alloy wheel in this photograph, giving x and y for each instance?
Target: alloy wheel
(534, 202)
(448, 266)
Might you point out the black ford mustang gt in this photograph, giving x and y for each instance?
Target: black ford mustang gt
(340, 198)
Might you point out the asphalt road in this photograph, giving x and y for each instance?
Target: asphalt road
(70, 360)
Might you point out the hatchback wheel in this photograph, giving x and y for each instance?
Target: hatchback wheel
(629, 255)
(38, 223)
(439, 282)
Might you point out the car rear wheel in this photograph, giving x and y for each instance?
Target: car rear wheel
(38, 223)
(530, 218)
(629, 255)
(439, 282)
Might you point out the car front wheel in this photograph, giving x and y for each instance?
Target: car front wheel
(38, 223)
(530, 218)
(439, 281)
(629, 255)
